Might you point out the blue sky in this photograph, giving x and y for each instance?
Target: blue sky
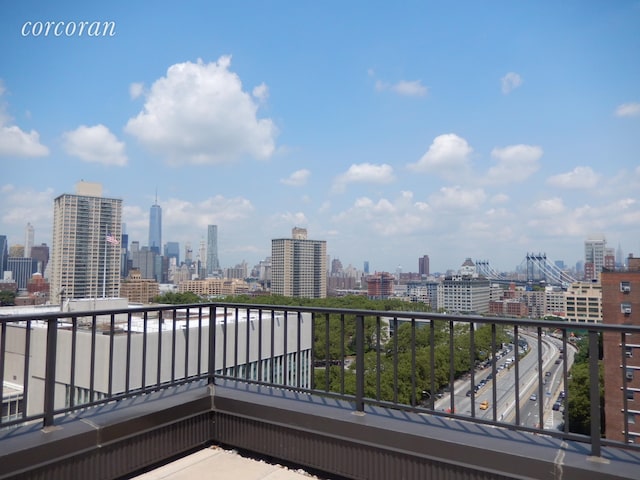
(454, 129)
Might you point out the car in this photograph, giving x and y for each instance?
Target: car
(557, 405)
(547, 374)
(562, 394)
(558, 361)
(469, 393)
(484, 405)
(533, 397)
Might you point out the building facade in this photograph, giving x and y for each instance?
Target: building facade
(214, 287)
(423, 265)
(380, 285)
(621, 354)
(155, 228)
(29, 234)
(40, 253)
(137, 289)
(212, 261)
(466, 292)
(287, 358)
(299, 266)
(85, 260)
(4, 254)
(172, 250)
(594, 251)
(22, 269)
(584, 302)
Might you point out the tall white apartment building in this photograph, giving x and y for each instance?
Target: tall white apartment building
(299, 266)
(85, 260)
(594, 253)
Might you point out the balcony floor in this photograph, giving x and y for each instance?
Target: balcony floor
(217, 463)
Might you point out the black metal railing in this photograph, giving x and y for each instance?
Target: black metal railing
(60, 362)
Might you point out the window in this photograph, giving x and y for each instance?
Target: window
(628, 351)
(631, 417)
(630, 394)
(625, 287)
(625, 308)
(629, 374)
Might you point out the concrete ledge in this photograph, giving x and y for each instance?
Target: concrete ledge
(93, 432)
(314, 432)
(343, 443)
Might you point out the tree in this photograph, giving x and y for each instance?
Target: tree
(7, 298)
(178, 298)
(579, 405)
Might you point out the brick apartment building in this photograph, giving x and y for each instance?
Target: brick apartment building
(621, 305)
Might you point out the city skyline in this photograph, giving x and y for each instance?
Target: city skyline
(391, 132)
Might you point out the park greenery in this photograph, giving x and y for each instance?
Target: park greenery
(398, 351)
(7, 298)
(579, 405)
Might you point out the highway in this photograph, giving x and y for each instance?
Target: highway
(504, 385)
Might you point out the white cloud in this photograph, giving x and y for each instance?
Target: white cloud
(628, 110)
(14, 142)
(579, 177)
(199, 114)
(19, 206)
(297, 178)
(261, 92)
(95, 145)
(407, 88)
(457, 198)
(550, 206)
(515, 163)
(499, 198)
(448, 156)
(136, 89)
(288, 218)
(510, 82)
(410, 88)
(364, 173)
(384, 217)
(181, 218)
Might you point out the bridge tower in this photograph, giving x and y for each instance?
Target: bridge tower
(536, 271)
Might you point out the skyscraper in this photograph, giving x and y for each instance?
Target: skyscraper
(40, 253)
(28, 240)
(172, 250)
(594, 252)
(4, 254)
(423, 265)
(299, 266)
(213, 264)
(155, 228)
(85, 260)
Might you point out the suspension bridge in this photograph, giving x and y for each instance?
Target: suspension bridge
(535, 268)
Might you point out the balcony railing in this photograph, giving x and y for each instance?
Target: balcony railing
(63, 362)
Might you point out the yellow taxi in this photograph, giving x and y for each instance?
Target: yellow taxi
(484, 405)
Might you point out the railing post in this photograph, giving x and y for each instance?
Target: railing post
(212, 346)
(360, 363)
(594, 393)
(50, 371)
